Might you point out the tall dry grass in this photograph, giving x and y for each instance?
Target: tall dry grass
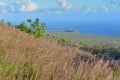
(23, 57)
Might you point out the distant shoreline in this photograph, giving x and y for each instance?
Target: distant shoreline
(100, 35)
(61, 31)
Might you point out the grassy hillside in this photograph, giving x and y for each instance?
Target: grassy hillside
(23, 57)
(92, 39)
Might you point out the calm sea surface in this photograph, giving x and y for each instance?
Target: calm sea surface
(90, 24)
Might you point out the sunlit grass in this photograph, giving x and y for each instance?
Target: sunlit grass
(23, 57)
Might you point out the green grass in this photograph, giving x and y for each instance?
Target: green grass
(92, 39)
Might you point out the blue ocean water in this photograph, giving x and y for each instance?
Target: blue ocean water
(91, 24)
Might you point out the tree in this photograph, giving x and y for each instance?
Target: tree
(40, 31)
(9, 24)
(29, 20)
(37, 22)
(22, 26)
(36, 28)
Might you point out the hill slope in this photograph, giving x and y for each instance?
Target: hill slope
(23, 57)
(92, 39)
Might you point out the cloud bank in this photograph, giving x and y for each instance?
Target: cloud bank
(3, 7)
(21, 6)
(64, 4)
(26, 6)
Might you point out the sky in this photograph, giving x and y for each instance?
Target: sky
(87, 16)
(60, 6)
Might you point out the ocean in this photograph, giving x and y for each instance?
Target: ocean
(107, 25)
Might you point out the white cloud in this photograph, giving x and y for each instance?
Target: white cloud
(87, 10)
(44, 8)
(77, 8)
(116, 9)
(58, 11)
(3, 7)
(64, 4)
(26, 6)
(105, 8)
(95, 11)
(2, 4)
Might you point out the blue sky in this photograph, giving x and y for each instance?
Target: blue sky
(60, 6)
(88, 16)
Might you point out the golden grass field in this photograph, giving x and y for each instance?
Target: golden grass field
(23, 57)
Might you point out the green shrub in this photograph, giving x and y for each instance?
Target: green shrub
(9, 24)
(40, 31)
(65, 41)
(35, 28)
(83, 43)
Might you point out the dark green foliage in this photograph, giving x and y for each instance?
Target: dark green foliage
(107, 52)
(22, 26)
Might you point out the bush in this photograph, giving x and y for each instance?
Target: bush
(107, 52)
(9, 24)
(65, 41)
(83, 43)
(35, 28)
